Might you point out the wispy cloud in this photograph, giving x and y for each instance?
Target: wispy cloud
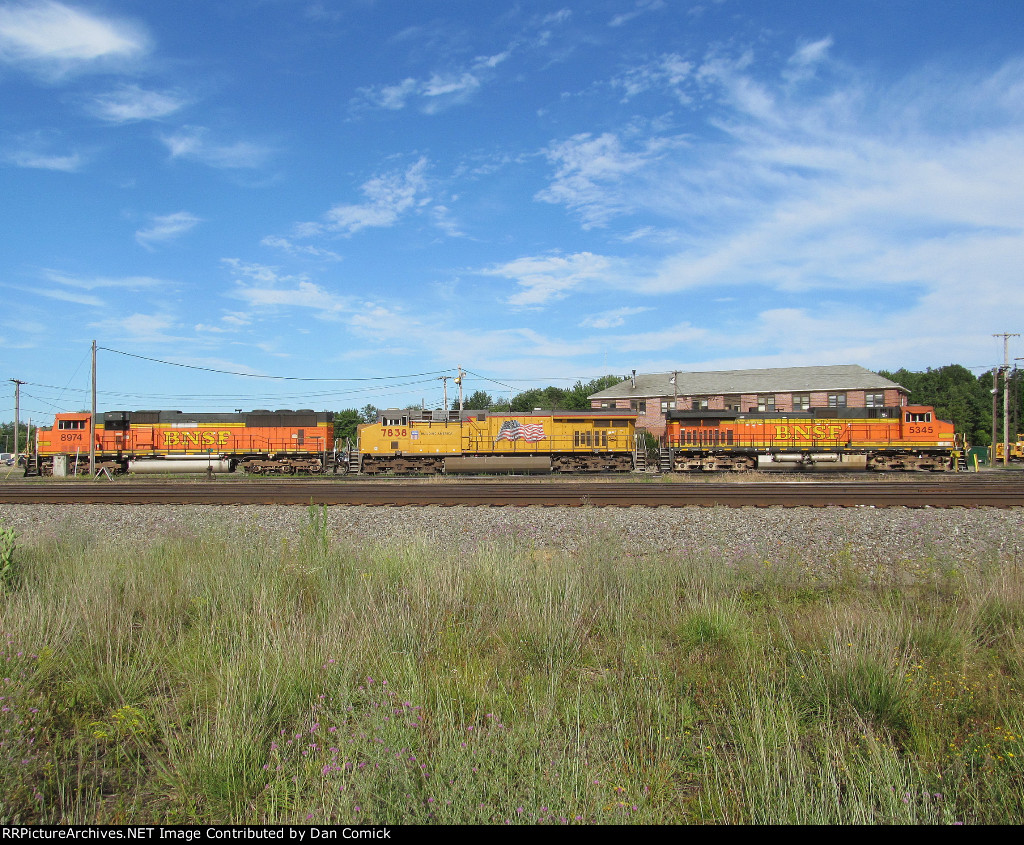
(292, 248)
(161, 327)
(53, 39)
(548, 278)
(65, 287)
(432, 94)
(640, 7)
(461, 80)
(98, 282)
(44, 161)
(193, 142)
(263, 286)
(388, 197)
(612, 319)
(131, 103)
(668, 72)
(166, 227)
(590, 171)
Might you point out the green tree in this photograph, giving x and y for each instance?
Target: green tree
(346, 424)
(557, 398)
(478, 400)
(26, 437)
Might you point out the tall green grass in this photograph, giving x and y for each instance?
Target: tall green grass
(314, 678)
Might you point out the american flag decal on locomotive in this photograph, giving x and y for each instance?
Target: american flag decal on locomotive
(513, 430)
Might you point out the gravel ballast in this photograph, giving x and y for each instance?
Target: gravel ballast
(865, 537)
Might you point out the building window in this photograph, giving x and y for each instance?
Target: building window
(666, 406)
(837, 400)
(801, 401)
(766, 403)
(700, 404)
(874, 400)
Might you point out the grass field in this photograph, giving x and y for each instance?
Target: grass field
(316, 680)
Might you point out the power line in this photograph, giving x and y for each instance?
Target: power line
(256, 375)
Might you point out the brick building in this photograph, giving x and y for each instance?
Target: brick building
(652, 395)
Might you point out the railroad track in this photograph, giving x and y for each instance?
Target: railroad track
(1004, 494)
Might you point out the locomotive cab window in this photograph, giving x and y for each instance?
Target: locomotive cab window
(70, 425)
(918, 418)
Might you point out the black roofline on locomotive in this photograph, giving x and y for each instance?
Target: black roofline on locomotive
(151, 417)
(892, 412)
(419, 415)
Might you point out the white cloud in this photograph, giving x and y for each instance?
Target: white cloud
(97, 282)
(640, 8)
(590, 173)
(53, 38)
(388, 197)
(437, 92)
(612, 319)
(192, 142)
(292, 248)
(669, 71)
(456, 84)
(131, 103)
(43, 161)
(812, 53)
(167, 227)
(161, 327)
(262, 286)
(66, 296)
(545, 279)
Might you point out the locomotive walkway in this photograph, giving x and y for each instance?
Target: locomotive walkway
(945, 494)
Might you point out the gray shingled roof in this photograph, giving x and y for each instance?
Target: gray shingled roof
(775, 380)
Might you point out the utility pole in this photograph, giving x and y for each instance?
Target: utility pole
(444, 380)
(995, 406)
(17, 415)
(1006, 394)
(458, 381)
(1015, 398)
(92, 419)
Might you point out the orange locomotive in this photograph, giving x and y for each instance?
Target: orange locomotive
(176, 441)
(910, 437)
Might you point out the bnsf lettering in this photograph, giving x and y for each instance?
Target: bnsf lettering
(197, 439)
(807, 432)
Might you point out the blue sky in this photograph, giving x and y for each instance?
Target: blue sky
(375, 193)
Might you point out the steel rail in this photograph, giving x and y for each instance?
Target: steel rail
(513, 494)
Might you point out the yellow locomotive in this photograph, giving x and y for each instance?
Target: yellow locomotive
(1016, 450)
(433, 442)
